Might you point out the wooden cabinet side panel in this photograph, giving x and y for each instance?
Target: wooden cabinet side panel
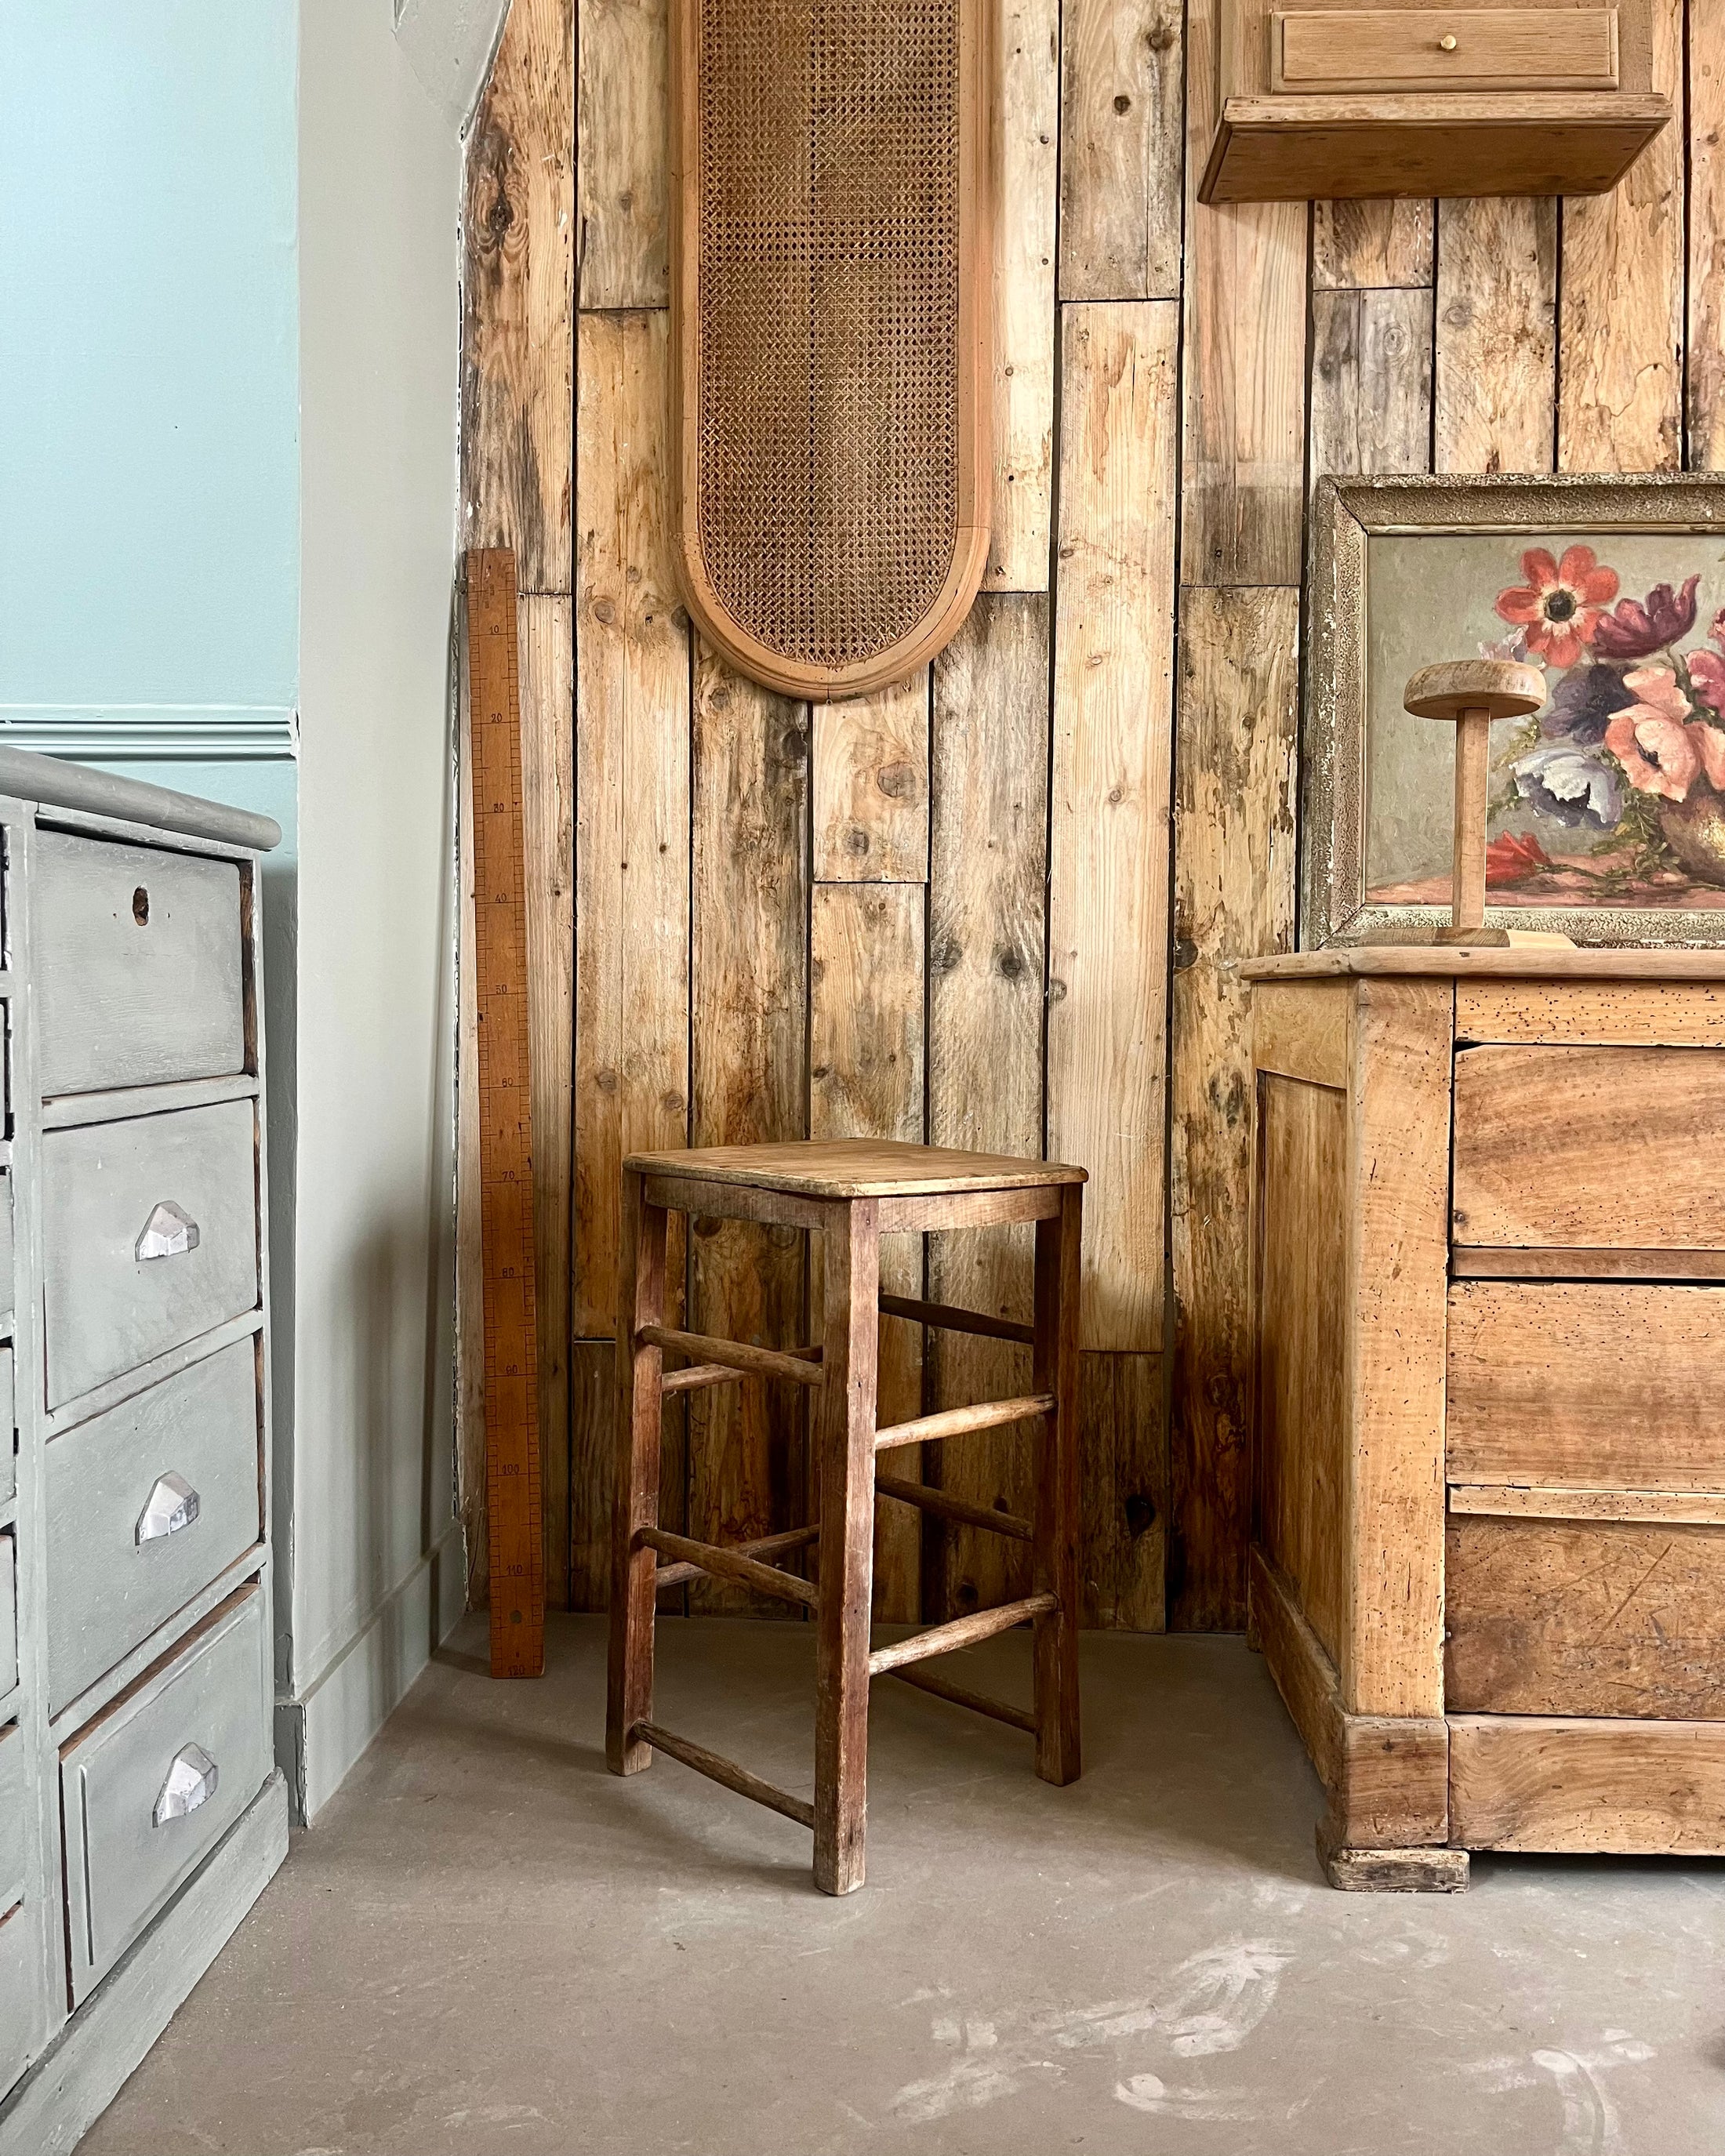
(1300, 1393)
(1589, 1145)
(1569, 1617)
(1399, 1166)
(1597, 1383)
(1614, 1788)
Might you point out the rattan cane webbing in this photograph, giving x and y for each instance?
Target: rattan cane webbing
(827, 356)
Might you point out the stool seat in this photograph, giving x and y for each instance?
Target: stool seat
(851, 1192)
(855, 1167)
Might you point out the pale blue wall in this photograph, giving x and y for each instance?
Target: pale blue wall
(149, 372)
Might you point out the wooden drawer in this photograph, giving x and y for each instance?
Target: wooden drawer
(137, 968)
(141, 1807)
(1596, 1383)
(1584, 1617)
(1561, 1148)
(146, 1504)
(1428, 49)
(106, 1308)
(12, 1793)
(9, 1614)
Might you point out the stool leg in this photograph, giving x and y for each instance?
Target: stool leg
(845, 1412)
(640, 1370)
(1055, 1357)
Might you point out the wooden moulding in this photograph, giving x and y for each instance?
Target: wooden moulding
(725, 1772)
(727, 1565)
(1386, 1776)
(764, 448)
(961, 1632)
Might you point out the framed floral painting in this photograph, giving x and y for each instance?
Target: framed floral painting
(1608, 805)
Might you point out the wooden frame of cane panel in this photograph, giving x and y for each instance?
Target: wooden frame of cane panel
(830, 332)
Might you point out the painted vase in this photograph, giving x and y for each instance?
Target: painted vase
(1694, 829)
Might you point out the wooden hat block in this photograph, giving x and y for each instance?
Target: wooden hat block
(1468, 694)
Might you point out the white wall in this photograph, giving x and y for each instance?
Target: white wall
(376, 1565)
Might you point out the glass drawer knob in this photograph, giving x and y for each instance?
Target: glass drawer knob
(191, 1782)
(173, 1505)
(168, 1233)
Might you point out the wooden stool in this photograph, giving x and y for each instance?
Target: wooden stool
(853, 1193)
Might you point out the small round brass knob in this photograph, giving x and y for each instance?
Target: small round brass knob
(1447, 45)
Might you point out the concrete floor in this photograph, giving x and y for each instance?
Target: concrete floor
(489, 1944)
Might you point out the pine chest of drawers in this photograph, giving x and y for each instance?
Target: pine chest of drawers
(141, 1810)
(1488, 1547)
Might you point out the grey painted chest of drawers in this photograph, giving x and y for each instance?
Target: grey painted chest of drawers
(141, 1810)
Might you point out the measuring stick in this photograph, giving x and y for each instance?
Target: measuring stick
(513, 1499)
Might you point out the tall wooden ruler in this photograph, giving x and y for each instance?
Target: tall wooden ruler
(513, 1499)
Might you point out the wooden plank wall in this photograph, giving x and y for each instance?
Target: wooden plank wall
(1003, 904)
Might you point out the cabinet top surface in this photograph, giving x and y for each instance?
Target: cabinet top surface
(1363, 960)
(53, 782)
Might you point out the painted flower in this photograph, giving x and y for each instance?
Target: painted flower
(1513, 856)
(1717, 631)
(1649, 738)
(1636, 627)
(1561, 604)
(1709, 745)
(1707, 677)
(1569, 784)
(1582, 703)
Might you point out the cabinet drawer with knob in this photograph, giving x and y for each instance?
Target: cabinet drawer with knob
(149, 1237)
(146, 1505)
(1396, 48)
(139, 968)
(151, 1785)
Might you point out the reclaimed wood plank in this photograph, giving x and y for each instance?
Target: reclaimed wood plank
(623, 153)
(1234, 897)
(1122, 1436)
(865, 1080)
(747, 1443)
(987, 944)
(1026, 180)
(548, 827)
(1620, 385)
(631, 725)
(1109, 807)
(1495, 376)
(1580, 1194)
(1584, 1617)
(870, 779)
(1371, 382)
(518, 286)
(1368, 245)
(1601, 1384)
(1243, 361)
(1551, 1783)
(1120, 150)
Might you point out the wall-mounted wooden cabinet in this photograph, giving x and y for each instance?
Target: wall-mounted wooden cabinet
(1315, 100)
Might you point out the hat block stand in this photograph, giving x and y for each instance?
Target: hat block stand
(1469, 694)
